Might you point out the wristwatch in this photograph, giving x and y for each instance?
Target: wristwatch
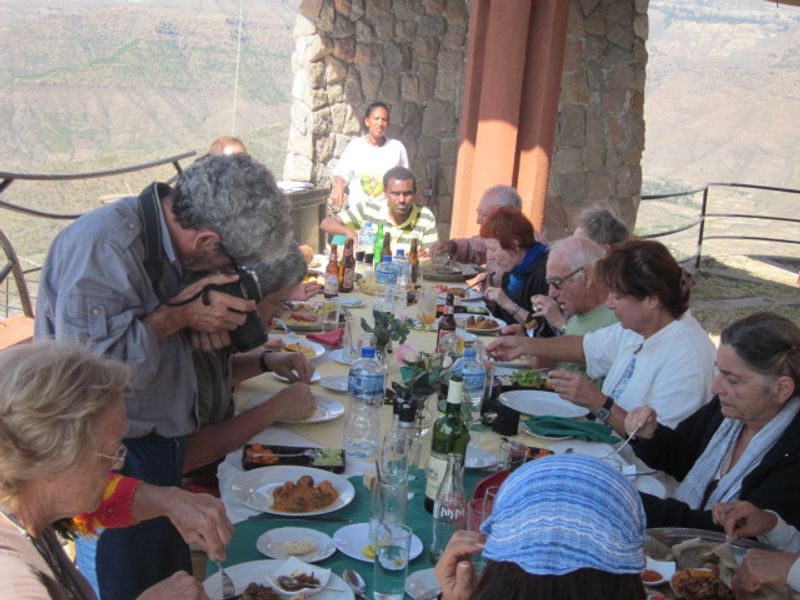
(602, 414)
(262, 361)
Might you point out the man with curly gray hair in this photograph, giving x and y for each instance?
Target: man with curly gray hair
(115, 282)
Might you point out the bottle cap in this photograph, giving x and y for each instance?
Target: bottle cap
(367, 352)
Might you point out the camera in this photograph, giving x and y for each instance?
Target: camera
(251, 333)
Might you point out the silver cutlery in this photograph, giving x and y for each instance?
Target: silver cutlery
(625, 443)
(228, 589)
(356, 582)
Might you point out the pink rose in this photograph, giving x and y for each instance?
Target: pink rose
(406, 353)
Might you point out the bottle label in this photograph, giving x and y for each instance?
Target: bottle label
(443, 340)
(474, 381)
(348, 277)
(450, 508)
(331, 285)
(365, 385)
(434, 473)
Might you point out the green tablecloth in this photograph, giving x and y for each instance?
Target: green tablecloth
(243, 546)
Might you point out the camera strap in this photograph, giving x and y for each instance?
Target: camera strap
(151, 231)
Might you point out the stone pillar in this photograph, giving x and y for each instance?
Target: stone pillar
(600, 134)
(407, 53)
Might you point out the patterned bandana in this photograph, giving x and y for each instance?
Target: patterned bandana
(562, 513)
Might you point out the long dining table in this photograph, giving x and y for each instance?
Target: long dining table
(251, 523)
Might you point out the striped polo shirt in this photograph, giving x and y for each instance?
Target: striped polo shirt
(420, 224)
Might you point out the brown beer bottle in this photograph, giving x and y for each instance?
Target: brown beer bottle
(387, 245)
(348, 268)
(413, 260)
(447, 327)
(331, 289)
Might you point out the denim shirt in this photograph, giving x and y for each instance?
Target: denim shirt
(94, 290)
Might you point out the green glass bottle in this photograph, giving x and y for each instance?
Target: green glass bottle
(377, 248)
(450, 436)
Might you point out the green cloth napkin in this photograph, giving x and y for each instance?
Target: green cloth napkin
(563, 427)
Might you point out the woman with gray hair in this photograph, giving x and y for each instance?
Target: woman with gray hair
(601, 226)
(62, 420)
(745, 443)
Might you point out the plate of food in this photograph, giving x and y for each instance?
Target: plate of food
(257, 455)
(310, 350)
(293, 491)
(302, 321)
(483, 325)
(700, 584)
(523, 379)
(458, 292)
(353, 540)
(298, 579)
(309, 545)
(251, 577)
(539, 403)
(657, 572)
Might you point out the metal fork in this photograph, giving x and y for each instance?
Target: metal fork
(625, 443)
(228, 589)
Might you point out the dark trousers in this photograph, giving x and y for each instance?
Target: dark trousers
(128, 561)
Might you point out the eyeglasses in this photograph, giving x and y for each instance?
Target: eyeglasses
(557, 282)
(118, 459)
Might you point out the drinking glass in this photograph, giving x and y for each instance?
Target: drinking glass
(394, 456)
(426, 305)
(350, 339)
(330, 315)
(392, 547)
(512, 455)
(388, 504)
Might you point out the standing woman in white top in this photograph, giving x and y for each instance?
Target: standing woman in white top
(366, 159)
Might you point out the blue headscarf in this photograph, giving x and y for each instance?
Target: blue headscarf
(562, 513)
(515, 277)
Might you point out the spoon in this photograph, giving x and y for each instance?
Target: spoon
(356, 582)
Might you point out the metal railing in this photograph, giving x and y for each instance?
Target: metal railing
(6, 179)
(705, 215)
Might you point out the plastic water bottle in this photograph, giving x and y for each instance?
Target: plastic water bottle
(403, 270)
(474, 375)
(362, 424)
(386, 284)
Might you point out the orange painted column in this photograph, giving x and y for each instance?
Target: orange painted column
(514, 60)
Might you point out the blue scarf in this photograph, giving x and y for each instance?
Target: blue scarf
(515, 278)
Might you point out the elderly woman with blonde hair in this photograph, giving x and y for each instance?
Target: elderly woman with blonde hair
(62, 421)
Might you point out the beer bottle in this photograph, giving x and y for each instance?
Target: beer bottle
(348, 268)
(447, 326)
(413, 260)
(331, 289)
(450, 435)
(387, 244)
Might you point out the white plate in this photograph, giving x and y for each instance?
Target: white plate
(318, 349)
(255, 487)
(539, 403)
(479, 459)
(327, 409)
(666, 568)
(554, 438)
(337, 383)
(271, 543)
(294, 565)
(350, 301)
(315, 377)
(422, 582)
(499, 324)
(471, 295)
(339, 356)
(256, 571)
(350, 539)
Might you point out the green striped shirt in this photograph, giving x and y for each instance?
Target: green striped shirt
(421, 223)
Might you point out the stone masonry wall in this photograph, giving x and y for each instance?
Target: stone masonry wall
(600, 135)
(407, 53)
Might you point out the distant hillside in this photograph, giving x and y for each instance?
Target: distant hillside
(96, 84)
(723, 93)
